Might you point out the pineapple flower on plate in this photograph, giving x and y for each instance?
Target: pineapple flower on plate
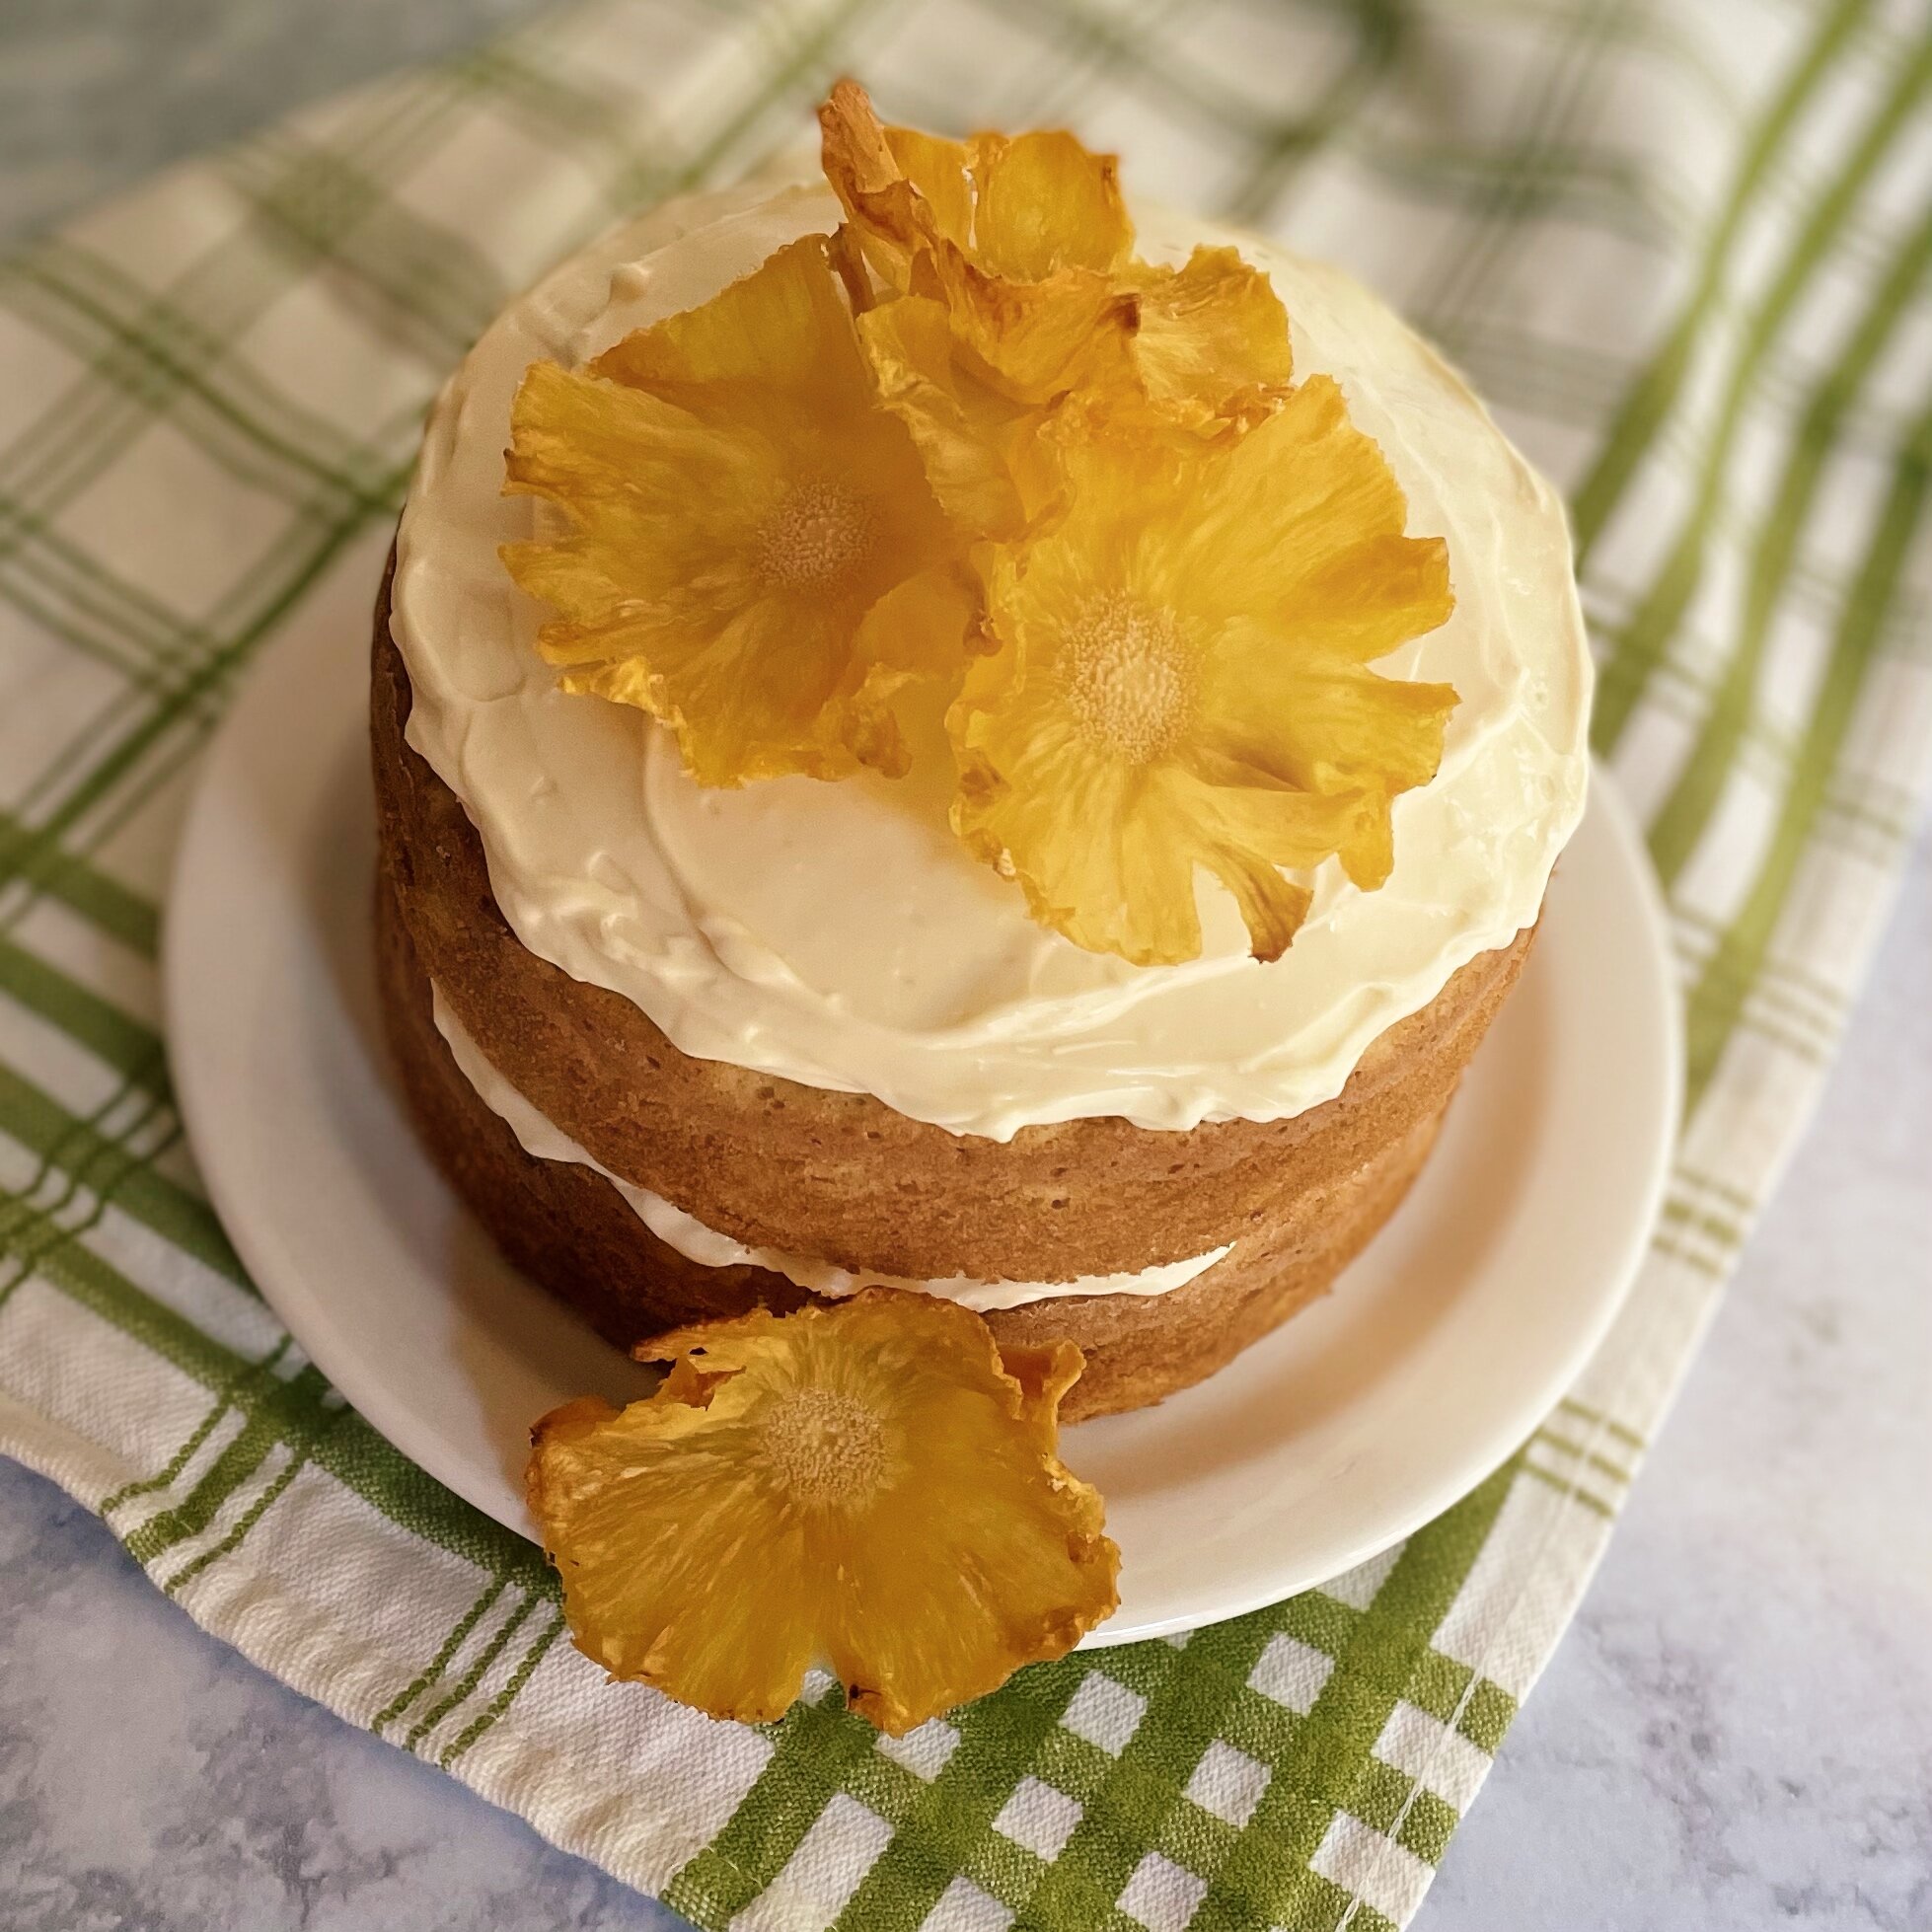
(871, 1485)
(753, 554)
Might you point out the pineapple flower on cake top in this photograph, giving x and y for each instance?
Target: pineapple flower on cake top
(755, 557)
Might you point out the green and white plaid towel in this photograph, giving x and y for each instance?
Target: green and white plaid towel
(1684, 250)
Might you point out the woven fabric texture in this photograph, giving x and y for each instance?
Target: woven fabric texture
(1685, 252)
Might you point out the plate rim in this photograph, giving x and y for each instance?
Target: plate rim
(295, 1301)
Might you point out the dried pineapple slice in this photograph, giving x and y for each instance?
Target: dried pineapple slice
(1181, 678)
(868, 1484)
(753, 553)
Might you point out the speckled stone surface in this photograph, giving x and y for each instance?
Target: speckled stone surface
(1735, 1735)
(1737, 1732)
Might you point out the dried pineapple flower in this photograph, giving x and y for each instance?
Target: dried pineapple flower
(1181, 679)
(871, 1484)
(1009, 285)
(753, 554)
(997, 295)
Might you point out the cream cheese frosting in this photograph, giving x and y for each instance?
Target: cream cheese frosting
(838, 934)
(541, 1138)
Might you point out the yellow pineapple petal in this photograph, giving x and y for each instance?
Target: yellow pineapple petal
(961, 427)
(1307, 503)
(915, 631)
(893, 219)
(939, 172)
(1245, 835)
(1030, 341)
(1090, 845)
(783, 327)
(737, 507)
(805, 714)
(1213, 340)
(1315, 720)
(614, 1492)
(1367, 596)
(1042, 202)
(865, 1485)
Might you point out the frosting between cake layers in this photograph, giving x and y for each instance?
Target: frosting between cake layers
(543, 1140)
(837, 934)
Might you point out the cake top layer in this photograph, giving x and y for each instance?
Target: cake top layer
(839, 934)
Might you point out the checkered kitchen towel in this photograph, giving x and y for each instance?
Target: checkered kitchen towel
(1684, 250)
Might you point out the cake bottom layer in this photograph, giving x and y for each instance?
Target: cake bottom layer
(567, 1227)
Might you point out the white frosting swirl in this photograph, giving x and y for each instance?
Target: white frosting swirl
(541, 1138)
(838, 934)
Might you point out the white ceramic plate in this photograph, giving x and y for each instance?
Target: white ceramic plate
(1440, 1351)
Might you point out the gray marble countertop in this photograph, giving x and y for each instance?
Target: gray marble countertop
(1737, 1732)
